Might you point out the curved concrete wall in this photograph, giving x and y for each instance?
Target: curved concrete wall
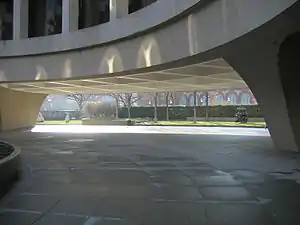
(18, 109)
(205, 28)
(149, 17)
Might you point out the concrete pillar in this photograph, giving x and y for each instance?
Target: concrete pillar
(18, 109)
(118, 9)
(20, 21)
(70, 15)
(271, 72)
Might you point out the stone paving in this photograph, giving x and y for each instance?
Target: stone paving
(155, 179)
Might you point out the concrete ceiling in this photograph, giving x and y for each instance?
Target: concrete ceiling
(216, 74)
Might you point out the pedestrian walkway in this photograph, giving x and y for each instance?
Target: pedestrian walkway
(140, 179)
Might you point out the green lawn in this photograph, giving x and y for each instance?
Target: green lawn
(174, 123)
(205, 123)
(60, 122)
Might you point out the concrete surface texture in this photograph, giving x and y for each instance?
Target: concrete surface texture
(206, 27)
(141, 179)
(211, 41)
(18, 109)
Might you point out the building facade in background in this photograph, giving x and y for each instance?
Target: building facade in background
(215, 97)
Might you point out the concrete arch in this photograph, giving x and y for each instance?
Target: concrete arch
(232, 97)
(183, 99)
(245, 98)
(41, 73)
(111, 62)
(149, 53)
(219, 98)
(288, 66)
(67, 69)
(18, 109)
(202, 98)
(2, 76)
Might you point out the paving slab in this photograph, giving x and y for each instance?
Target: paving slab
(210, 177)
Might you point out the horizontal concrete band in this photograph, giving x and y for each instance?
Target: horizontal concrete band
(216, 24)
(116, 29)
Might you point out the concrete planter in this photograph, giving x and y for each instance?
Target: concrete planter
(104, 122)
(9, 166)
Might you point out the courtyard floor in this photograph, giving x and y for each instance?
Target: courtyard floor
(151, 175)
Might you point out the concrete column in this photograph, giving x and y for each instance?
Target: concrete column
(70, 15)
(18, 109)
(271, 72)
(118, 9)
(20, 21)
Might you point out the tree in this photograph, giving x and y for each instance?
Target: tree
(117, 99)
(155, 95)
(99, 109)
(206, 105)
(80, 99)
(169, 100)
(195, 106)
(127, 100)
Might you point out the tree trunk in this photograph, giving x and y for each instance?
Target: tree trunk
(195, 107)
(155, 107)
(129, 111)
(206, 106)
(167, 106)
(117, 108)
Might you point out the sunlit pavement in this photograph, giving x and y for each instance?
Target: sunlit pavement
(150, 130)
(151, 175)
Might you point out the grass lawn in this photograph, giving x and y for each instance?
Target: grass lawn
(59, 122)
(207, 123)
(174, 123)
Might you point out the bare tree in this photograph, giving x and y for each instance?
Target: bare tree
(80, 99)
(99, 109)
(126, 99)
(155, 96)
(117, 101)
(195, 106)
(206, 105)
(167, 96)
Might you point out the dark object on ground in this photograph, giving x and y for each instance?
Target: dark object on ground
(9, 167)
(241, 115)
(130, 122)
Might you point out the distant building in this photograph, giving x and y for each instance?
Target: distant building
(215, 97)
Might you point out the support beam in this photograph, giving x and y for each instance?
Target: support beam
(18, 109)
(70, 16)
(118, 9)
(272, 73)
(20, 21)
